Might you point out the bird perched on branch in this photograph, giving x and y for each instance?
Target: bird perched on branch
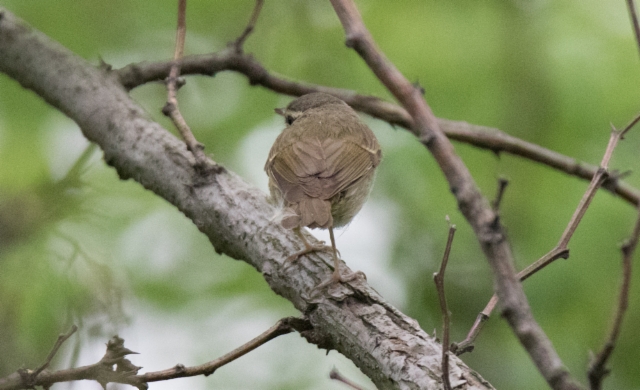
(321, 169)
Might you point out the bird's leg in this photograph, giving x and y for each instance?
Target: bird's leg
(337, 276)
(308, 248)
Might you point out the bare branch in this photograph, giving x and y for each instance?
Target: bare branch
(502, 186)
(467, 345)
(239, 42)
(125, 372)
(561, 250)
(134, 75)
(471, 203)
(634, 20)
(597, 368)
(438, 278)
(113, 367)
(61, 339)
(171, 108)
(283, 326)
(350, 318)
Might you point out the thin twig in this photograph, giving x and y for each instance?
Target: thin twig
(467, 345)
(239, 42)
(76, 170)
(125, 372)
(475, 208)
(61, 339)
(438, 278)
(597, 181)
(597, 368)
(231, 213)
(634, 20)
(283, 326)
(134, 75)
(336, 375)
(502, 186)
(561, 250)
(171, 108)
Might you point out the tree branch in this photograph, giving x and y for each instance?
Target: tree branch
(61, 339)
(438, 278)
(125, 371)
(135, 75)
(597, 367)
(631, 6)
(282, 327)
(561, 250)
(113, 367)
(353, 319)
(472, 204)
(239, 42)
(171, 109)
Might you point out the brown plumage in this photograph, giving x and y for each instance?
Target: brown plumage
(321, 167)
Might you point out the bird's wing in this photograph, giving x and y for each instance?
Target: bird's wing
(319, 168)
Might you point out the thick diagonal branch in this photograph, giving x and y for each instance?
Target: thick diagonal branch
(472, 204)
(353, 319)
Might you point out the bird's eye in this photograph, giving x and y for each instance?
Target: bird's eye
(289, 119)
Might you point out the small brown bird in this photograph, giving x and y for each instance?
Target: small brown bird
(321, 168)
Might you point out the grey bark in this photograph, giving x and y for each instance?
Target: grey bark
(353, 319)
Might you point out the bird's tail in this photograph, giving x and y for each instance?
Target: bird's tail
(310, 212)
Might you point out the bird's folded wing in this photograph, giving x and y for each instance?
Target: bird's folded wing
(319, 168)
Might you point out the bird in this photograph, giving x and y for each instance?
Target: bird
(321, 169)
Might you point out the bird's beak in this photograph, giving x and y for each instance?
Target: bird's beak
(279, 111)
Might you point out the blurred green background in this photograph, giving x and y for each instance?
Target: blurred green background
(77, 245)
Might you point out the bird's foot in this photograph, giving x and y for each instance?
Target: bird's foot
(309, 249)
(337, 277)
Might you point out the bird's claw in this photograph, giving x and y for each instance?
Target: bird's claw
(337, 277)
(315, 248)
(311, 248)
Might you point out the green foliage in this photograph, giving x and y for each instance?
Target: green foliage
(77, 245)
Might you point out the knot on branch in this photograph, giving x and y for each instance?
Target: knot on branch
(178, 81)
(354, 38)
(461, 348)
(304, 327)
(252, 69)
(168, 109)
(419, 88)
(611, 181)
(319, 339)
(28, 378)
(490, 232)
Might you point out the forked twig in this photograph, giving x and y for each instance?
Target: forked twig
(438, 278)
(61, 339)
(561, 250)
(137, 74)
(239, 42)
(28, 379)
(597, 370)
(125, 372)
